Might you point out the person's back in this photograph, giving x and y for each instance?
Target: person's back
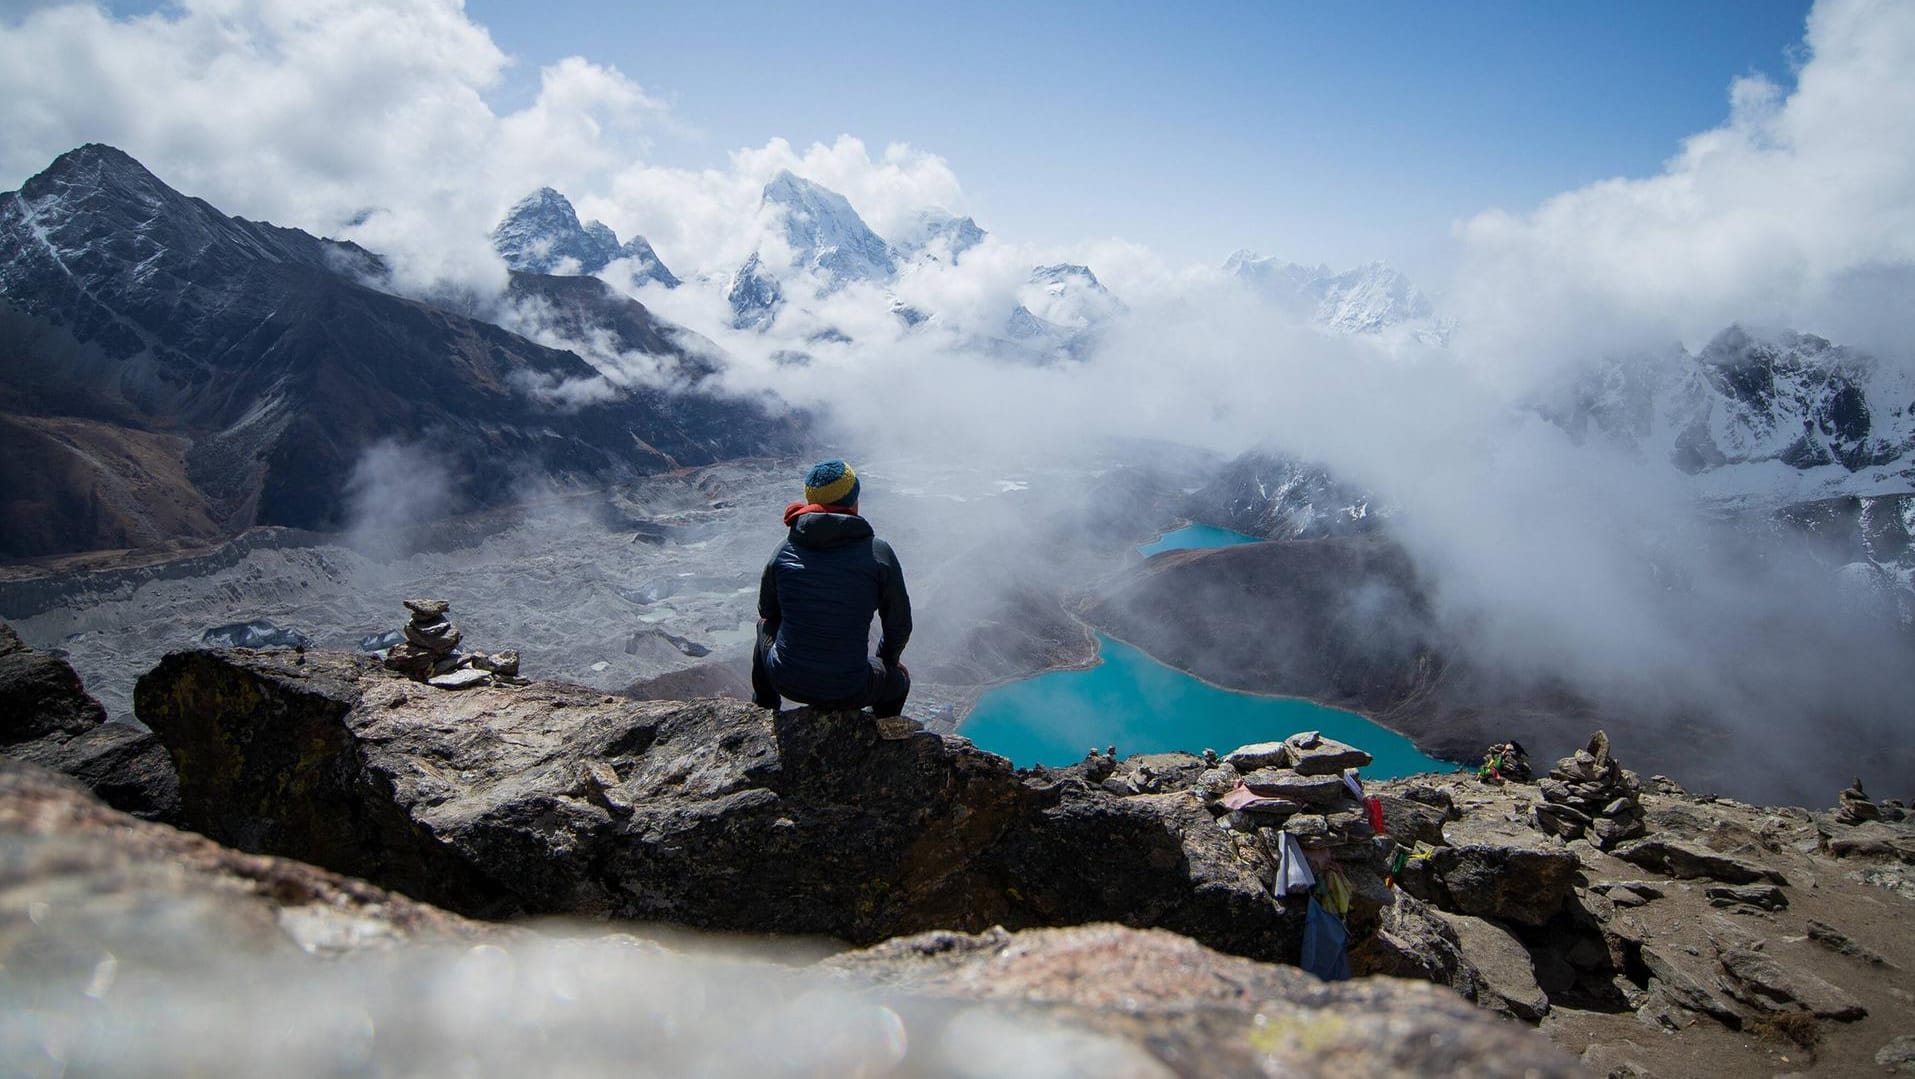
(816, 600)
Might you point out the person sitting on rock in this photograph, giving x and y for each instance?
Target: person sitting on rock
(816, 601)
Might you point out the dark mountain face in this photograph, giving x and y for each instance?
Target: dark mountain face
(168, 372)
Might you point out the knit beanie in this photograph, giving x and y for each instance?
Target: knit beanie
(831, 483)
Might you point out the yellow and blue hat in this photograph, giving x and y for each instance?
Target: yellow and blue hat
(831, 483)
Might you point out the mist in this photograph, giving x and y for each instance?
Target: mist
(396, 492)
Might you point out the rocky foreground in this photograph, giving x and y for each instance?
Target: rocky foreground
(1644, 929)
(131, 948)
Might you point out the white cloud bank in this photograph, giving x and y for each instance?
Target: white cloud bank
(1799, 210)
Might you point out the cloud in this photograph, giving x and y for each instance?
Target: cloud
(360, 120)
(1798, 210)
(397, 490)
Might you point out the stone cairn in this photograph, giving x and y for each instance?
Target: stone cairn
(1589, 794)
(1854, 806)
(1295, 786)
(430, 652)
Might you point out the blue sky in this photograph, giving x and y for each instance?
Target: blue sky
(1339, 132)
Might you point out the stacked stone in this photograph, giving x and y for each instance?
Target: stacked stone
(1589, 794)
(1295, 785)
(430, 651)
(1854, 806)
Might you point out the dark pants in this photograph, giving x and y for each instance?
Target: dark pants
(884, 692)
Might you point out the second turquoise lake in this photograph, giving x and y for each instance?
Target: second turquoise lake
(1191, 536)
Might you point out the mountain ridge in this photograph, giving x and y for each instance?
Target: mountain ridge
(239, 370)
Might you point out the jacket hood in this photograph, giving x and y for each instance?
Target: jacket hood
(829, 529)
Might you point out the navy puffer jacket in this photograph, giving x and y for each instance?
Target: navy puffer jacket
(817, 597)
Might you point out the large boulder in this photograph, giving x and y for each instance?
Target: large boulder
(1505, 965)
(505, 801)
(1494, 869)
(1690, 862)
(1766, 983)
(48, 718)
(1415, 940)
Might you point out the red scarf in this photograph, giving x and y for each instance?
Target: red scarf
(799, 509)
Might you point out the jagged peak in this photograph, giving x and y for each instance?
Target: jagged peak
(753, 266)
(95, 156)
(826, 234)
(98, 166)
(1062, 272)
(544, 203)
(788, 187)
(544, 196)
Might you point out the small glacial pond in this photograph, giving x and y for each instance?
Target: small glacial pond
(1143, 706)
(1191, 536)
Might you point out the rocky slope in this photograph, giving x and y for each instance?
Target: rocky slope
(173, 373)
(175, 955)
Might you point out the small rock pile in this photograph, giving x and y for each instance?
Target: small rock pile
(1099, 767)
(1589, 794)
(1261, 790)
(430, 652)
(1854, 806)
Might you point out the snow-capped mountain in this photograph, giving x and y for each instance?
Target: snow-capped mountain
(174, 373)
(755, 296)
(1276, 497)
(826, 235)
(939, 235)
(831, 247)
(1366, 300)
(1782, 418)
(542, 234)
(1061, 310)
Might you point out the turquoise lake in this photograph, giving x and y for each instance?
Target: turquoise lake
(1194, 536)
(1143, 706)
